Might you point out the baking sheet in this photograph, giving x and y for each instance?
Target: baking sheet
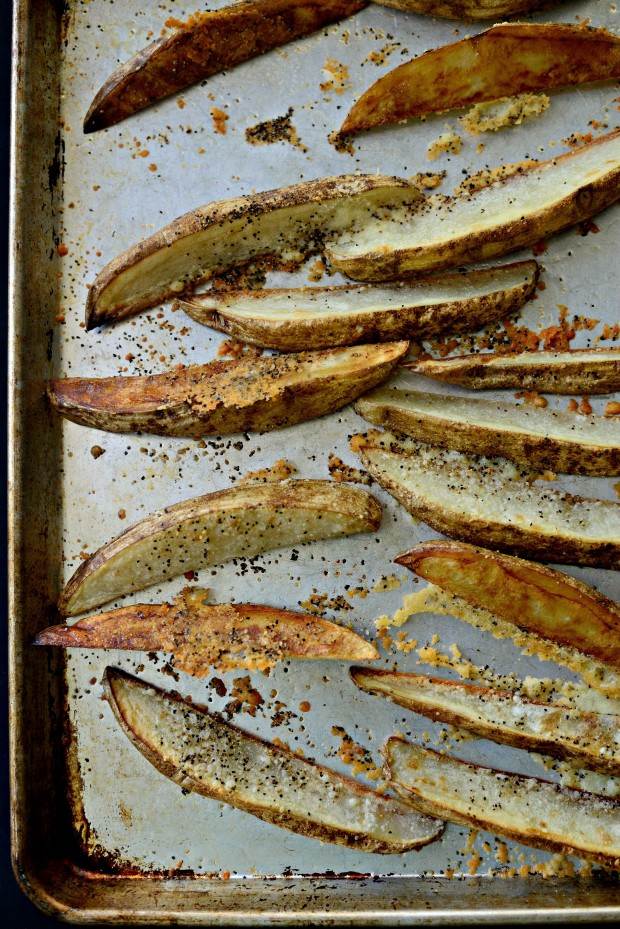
(117, 186)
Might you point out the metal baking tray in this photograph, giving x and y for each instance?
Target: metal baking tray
(99, 836)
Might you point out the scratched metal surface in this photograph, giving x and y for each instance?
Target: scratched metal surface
(118, 186)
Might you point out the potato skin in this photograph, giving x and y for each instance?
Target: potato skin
(529, 449)
(489, 243)
(356, 511)
(170, 261)
(503, 61)
(481, 817)
(465, 9)
(282, 818)
(538, 600)
(515, 540)
(211, 42)
(413, 322)
(581, 371)
(255, 394)
(435, 703)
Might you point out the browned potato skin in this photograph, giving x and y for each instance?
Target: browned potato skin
(484, 727)
(415, 322)
(203, 635)
(222, 217)
(507, 59)
(219, 398)
(308, 828)
(537, 451)
(465, 9)
(537, 599)
(492, 243)
(585, 372)
(520, 541)
(208, 43)
(483, 819)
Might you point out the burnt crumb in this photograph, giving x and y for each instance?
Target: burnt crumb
(270, 131)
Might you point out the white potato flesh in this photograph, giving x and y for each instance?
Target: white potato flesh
(567, 441)
(204, 754)
(501, 209)
(587, 370)
(593, 739)
(358, 300)
(220, 235)
(482, 506)
(501, 417)
(241, 521)
(525, 809)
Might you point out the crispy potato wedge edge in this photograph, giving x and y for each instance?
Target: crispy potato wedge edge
(507, 59)
(243, 520)
(544, 438)
(287, 224)
(292, 319)
(523, 809)
(209, 42)
(456, 495)
(202, 753)
(578, 371)
(587, 738)
(202, 636)
(512, 213)
(535, 598)
(219, 398)
(465, 9)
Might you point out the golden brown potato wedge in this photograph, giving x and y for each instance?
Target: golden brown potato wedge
(524, 809)
(465, 9)
(578, 371)
(202, 636)
(207, 43)
(240, 521)
(459, 496)
(202, 753)
(247, 394)
(589, 739)
(320, 317)
(507, 59)
(539, 437)
(512, 213)
(285, 224)
(533, 599)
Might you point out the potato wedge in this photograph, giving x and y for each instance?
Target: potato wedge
(533, 599)
(512, 213)
(589, 739)
(459, 497)
(320, 317)
(286, 224)
(507, 59)
(524, 809)
(209, 42)
(240, 521)
(560, 440)
(247, 394)
(578, 371)
(201, 636)
(465, 9)
(202, 753)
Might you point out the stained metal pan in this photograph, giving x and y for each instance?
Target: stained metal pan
(97, 835)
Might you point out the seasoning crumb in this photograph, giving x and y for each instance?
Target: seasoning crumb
(448, 143)
(220, 118)
(97, 451)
